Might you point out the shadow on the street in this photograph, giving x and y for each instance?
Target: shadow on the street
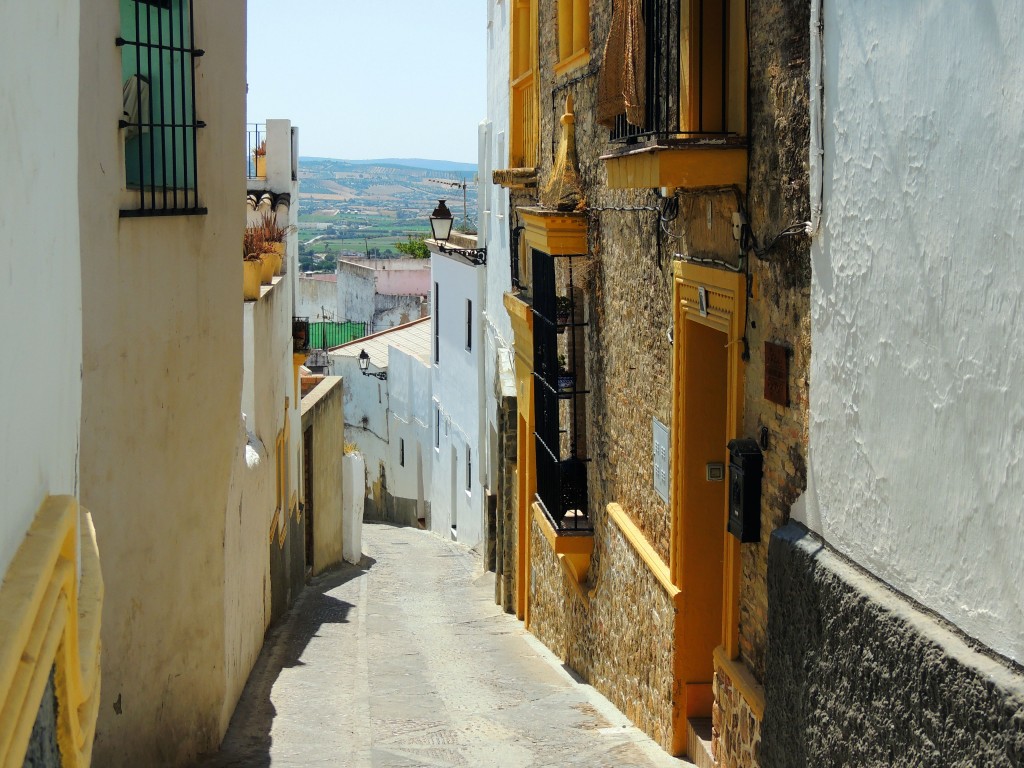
(247, 742)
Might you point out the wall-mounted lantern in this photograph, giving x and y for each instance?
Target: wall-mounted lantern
(364, 367)
(441, 227)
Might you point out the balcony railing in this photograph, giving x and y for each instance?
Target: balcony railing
(255, 141)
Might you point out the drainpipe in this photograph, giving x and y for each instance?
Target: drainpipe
(817, 152)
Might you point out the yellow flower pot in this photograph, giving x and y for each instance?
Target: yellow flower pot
(267, 270)
(251, 279)
(260, 161)
(278, 249)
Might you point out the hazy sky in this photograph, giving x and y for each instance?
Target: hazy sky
(371, 78)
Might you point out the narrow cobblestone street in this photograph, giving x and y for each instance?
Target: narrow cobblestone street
(406, 661)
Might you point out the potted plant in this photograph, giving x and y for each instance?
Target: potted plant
(563, 312)
(252, 265)
(254, 245)
(273, 236)
(259, 156)
(566, 378)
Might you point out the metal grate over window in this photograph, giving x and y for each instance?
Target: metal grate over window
(159, 124)
(559, 394)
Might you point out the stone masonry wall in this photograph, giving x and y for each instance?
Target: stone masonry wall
(736, 732)
(549, 600)
(778, 198)
(859, 676)
(628, 299)
(631, 623)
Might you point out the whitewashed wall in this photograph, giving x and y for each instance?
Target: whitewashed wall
(356, 287)
(367, 404)
(917, 381)
(316, 299)
(161, 397)
(40, 276)
(457, 392)
(494, 226)
(410, 386)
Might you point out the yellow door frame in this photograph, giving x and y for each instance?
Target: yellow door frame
(723, 309)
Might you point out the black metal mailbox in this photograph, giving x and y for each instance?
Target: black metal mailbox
(745, 470)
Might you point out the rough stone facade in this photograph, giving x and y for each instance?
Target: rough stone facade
(622, 640)
(778, 198)
(860, 676)
(736, 731)
(505, 527)
(630, 621)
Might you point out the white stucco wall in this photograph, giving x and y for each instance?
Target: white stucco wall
(40, 277)
(410, 387)
(162, 325)
(457, 393)
(917, 380)
(367, 404)
(494, 223)
(316, 299)
(355, 293)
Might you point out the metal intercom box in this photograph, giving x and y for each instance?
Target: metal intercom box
(745, 470)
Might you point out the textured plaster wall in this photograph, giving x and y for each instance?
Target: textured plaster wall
(410, 486)
(315, 297)
(860, 677)
(917, 401)
(161, 400)
(40, 276)
(367, 410)
(355, 292)
(456, 390)
(323, 412)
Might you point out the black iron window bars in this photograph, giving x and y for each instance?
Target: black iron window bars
(709, 80)
(559, 397)
(159, 120)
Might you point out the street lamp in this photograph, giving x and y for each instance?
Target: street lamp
(441, 227)
(364, 367)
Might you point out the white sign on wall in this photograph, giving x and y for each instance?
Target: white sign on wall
(660, 458)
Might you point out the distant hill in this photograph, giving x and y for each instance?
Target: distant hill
(406, 162)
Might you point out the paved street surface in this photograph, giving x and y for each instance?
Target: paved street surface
(406, 661)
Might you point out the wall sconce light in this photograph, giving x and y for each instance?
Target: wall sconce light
(364, 367)
(441, 227)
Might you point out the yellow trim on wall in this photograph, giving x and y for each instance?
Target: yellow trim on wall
(658, 567)
(555, 233)
(724, 311)
(742, 680)
(48, 617)
(573, 552)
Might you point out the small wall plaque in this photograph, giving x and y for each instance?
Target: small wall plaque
(776, 373)
(660, 458)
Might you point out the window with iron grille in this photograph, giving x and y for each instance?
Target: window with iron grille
(159, 125)
(695, 71)
(559, 394)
